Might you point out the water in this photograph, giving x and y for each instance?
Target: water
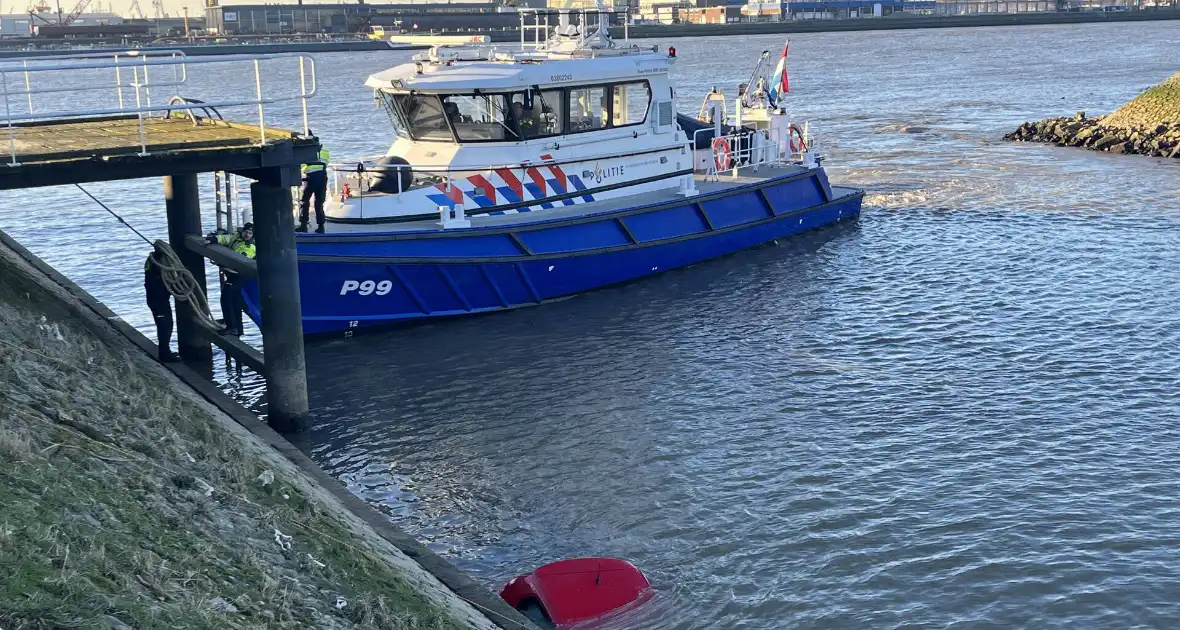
(960, 412)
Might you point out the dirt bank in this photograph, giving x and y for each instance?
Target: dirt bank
(126, 501)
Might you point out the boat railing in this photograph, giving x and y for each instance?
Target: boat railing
(535, 26)
(134, 73)
(752, 149)
(364, 168)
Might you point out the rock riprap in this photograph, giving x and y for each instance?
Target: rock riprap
(1148, 125)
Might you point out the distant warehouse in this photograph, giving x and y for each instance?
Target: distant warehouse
(731, 11)
(87, 33)
(276, 19)
(828, 9)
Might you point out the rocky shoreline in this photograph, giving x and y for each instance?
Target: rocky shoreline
(1161, 140)
(1148, 125)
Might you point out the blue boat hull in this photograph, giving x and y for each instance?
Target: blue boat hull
(349, 282)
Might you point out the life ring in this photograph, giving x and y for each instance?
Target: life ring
(722, 156)
(798, 144)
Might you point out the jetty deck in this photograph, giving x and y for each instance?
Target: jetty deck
(80, 150)
(114, 131)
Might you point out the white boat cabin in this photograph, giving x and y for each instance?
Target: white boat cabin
(576, 119)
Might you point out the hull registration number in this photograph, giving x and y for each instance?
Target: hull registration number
(367, 287)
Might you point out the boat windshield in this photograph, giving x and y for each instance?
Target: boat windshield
(420, 117)
(518, 115)
(469, 118)
(477, 118)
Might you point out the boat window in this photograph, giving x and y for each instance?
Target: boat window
(395, 115)
(538, 114)
(630, 102)
(588, 109)
(477, 118)
(423, 115)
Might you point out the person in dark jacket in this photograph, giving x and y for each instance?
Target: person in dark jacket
(160, 303)
(315, 183)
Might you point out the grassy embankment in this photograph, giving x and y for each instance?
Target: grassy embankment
(1156, 105)
(128, 502)
(1147, 125)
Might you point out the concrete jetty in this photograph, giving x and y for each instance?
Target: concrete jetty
(1148, 125)
(177, 140)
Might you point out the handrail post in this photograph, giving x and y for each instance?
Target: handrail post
(28, 88)
(147, 82)
(175, 77)
(258, 92)
(8, 118)
(139, 114)
(303, 94)
(217, 199)
(119, 80)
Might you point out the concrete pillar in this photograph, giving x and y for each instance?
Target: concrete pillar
(183, 202)
(282, 317)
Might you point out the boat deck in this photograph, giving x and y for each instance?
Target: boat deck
(704, 187)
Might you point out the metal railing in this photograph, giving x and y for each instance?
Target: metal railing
(121, 60)
(431, 174)
(140, 65)
(753, 149)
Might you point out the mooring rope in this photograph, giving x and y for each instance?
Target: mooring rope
(177, 278)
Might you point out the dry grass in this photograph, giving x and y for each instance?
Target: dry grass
(1156, 105)
(124, 504)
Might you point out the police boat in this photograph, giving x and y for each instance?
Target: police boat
(554, 168)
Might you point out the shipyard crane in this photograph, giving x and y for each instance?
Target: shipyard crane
(135, 11)
(35, 11)
(158, 5)
(75, 12)
(62, 20)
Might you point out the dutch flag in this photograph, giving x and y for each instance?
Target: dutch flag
(779, 85)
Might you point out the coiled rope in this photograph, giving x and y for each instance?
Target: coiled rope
(177, 278)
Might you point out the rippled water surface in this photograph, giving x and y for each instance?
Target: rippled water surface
(959, 412)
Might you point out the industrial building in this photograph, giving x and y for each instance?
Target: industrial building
(123, 33)
(577, 5)
(275, 19)
(21, 24)
(977, 7)
(720, 14)
(731, 11)
(829, 9)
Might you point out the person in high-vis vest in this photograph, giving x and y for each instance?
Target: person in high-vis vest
(159, 300)
(315, 182)
(241, 242)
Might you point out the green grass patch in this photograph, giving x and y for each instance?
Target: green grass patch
(125, 504)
